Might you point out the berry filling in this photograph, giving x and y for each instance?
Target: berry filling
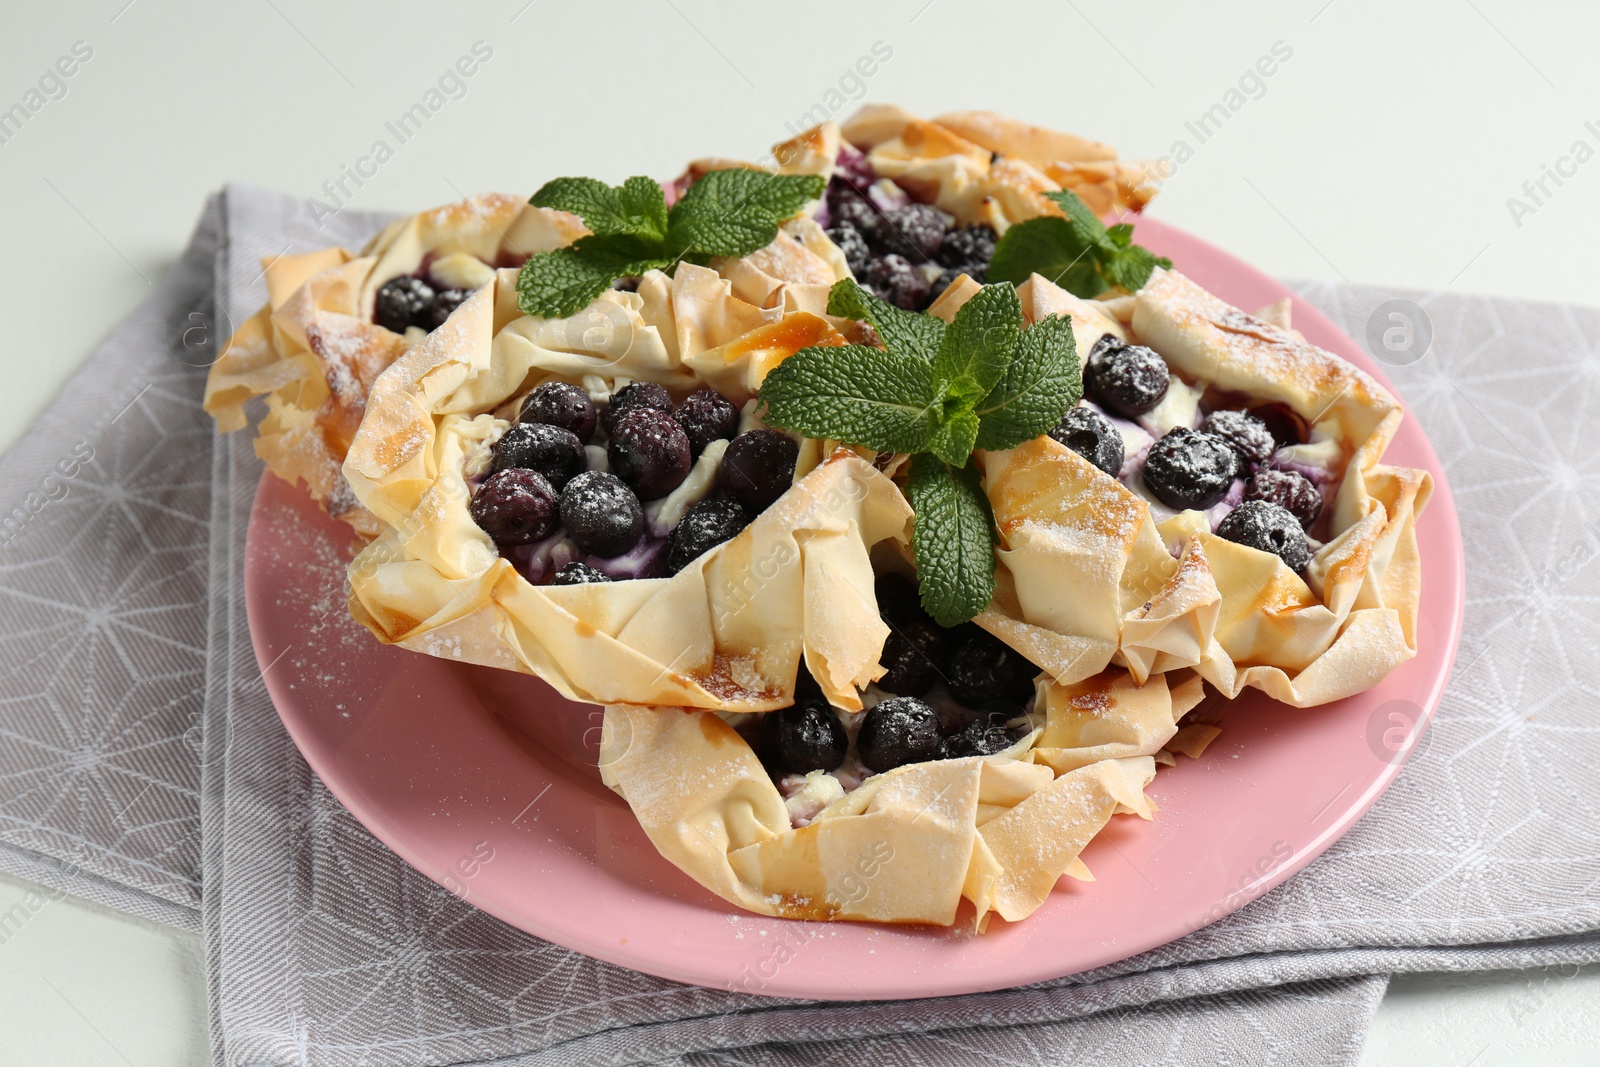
(947, 693)
(1270, 528)
(757, 467)
(904, 252)
(563, 405)
(638, 489)
(1184, 453)
(1092, 436)
(426, 298)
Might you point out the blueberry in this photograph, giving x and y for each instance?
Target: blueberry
(1290, 490)
(803, 738)
(897, 596)
(912, 655)
(632, 397)
(1270, 528)
(563, 405)
(601, 514)
(576, 573)
(1104, 342)
(805, 686)
(915, 231)
(1247, 435)
(515, 507)
(898, 731)
(1126, 380)
(853, 245)
(983, 736)
(706, 415)
(1189, 469)
(702, 528)
(758, 468)
(553, 452)
(650, 452)
(1286, 427)
(895, 280)
(402, 302)
(967, 245)
(984, 668)
(1092, 436)
(915, 650)
(445, 302)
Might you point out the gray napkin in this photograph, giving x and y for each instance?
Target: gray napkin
(324, 948)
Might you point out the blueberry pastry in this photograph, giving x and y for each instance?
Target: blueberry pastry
(335, 320)
(896, 507)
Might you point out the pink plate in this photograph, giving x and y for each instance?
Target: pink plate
(485, 780)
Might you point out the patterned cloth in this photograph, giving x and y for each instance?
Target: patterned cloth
(134, 718)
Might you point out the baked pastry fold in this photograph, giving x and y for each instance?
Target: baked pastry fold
(909, 844)
(1088, 577)
(313, 351)
(984, 167)
(726, 632)
(1352, 619)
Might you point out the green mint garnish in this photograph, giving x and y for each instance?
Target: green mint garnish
(938, 392)
(725, 213)
(953, 539)
(1078, 252)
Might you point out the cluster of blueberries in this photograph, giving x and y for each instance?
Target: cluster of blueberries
(415, 300)
(907, 255)
(1187, 468)
(541, 482)
(991, 681)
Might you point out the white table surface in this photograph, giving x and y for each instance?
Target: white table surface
(1383, 150)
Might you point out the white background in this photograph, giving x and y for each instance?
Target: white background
(1383, 151)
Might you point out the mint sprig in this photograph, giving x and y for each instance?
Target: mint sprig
(937, 392)
(725, 213)
(1076, 251)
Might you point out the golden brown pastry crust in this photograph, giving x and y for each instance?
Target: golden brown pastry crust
(726, 632)
(313, 351)
(910, 844)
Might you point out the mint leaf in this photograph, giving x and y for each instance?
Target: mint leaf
(560, 283)
(642, 199)
(1078, 252)
(1084, 221)
(853, 393)
(726, 213)
(953, 539)
(1131, 267)
(977, 347)
(1051, 247)
(1042, 382)
(636, 208)
(907, 332)
(954, 436)
(735, 212)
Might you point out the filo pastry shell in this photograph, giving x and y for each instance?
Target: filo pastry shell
(313, 350)
(726, 632)
(986, 168)
(1353, 617)
(909, 844)
(1087, 577)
